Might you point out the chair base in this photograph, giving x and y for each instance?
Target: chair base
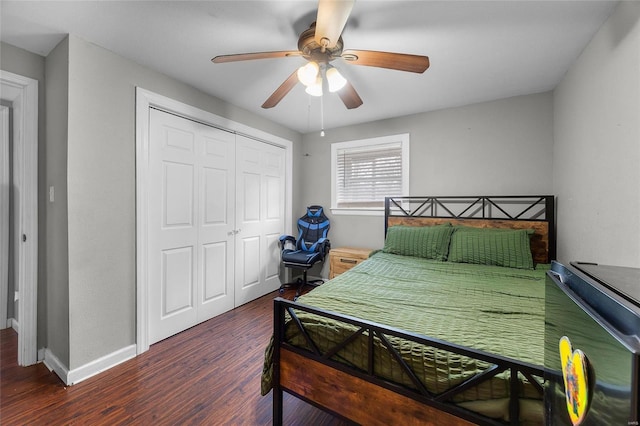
(300, 283)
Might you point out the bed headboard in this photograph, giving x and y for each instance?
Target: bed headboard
(535, 212)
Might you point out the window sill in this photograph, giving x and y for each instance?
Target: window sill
(373, 211)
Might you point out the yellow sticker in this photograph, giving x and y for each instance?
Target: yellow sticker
(576, 380)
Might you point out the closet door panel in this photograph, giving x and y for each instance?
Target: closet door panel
(217, 223)
(190, 223)
(260, 217)
(172, 228)
(216, 211)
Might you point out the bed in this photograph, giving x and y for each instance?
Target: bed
(425, 331)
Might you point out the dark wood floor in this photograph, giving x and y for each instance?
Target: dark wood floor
(209, 374)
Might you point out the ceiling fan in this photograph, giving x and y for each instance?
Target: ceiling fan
(322, 43)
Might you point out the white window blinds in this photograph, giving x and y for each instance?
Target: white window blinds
(367, 171)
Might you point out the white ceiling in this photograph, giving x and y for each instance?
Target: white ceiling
(479, 50)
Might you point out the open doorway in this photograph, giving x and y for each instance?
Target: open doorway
(20, 96)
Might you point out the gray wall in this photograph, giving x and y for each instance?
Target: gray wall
(597, 146)
(27, 64)
(57, 267)
(499, 147)
(502, 147)
(86, 300)
(101, 187)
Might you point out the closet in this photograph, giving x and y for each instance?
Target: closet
(216, 210)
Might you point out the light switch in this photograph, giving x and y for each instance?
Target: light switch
(51, 194)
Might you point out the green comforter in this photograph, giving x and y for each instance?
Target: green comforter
(494, 309)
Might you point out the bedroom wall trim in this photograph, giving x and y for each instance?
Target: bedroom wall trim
(4, 216)
(145, 100)
(22, 93)
(72, 377)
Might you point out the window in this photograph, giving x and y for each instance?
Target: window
(365, 171)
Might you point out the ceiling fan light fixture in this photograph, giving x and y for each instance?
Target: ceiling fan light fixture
(307, 74)
(315, 89)
(335, 80)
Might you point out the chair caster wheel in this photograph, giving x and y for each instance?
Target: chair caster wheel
(281, 291)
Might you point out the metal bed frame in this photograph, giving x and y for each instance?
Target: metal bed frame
(506, 211)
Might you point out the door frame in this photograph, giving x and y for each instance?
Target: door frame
(4, 216)
(22, 92)
(145, 100)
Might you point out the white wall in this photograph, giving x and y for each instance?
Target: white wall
(502, 147)
(597, 146)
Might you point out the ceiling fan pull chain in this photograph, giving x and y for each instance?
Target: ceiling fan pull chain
(321, 116)
(308, 113)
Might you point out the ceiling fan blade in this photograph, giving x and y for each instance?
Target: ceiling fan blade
(331, 19)
(349, 96)
(281, 91)
(394, 61)
(258, 55)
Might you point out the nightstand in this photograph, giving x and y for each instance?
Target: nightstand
(341, 259)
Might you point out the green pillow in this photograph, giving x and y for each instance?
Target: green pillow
(429, 242)
(484, 246)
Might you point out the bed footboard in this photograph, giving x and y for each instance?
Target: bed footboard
(363, 396)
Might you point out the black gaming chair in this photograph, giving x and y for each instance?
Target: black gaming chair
(309, 248)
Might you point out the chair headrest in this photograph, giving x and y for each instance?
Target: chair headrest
(314, 211)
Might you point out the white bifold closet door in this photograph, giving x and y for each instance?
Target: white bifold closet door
(216, 209)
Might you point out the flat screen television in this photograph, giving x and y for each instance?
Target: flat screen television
(592, 345)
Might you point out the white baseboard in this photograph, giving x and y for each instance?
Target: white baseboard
(71, 377)
(13, 323)
(53, 364)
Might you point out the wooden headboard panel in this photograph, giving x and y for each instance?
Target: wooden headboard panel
(511, 212)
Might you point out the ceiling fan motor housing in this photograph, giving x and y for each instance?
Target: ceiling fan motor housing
(312, 51)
